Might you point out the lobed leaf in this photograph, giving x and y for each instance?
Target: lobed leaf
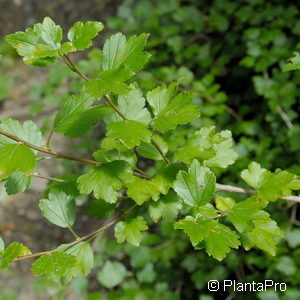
(53, 265)
(59, 208)
(197, 186)
(130, 230)
(12, 251)
(81, 34)
(218, 238)
(211, 148)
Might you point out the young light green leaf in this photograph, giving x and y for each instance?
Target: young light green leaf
(28, 132)
(84, 260)
(207, 210)
(104, 181)
(166, 207)
(16, 157)
(130, 132)
(130, 230)
(38, 46)
(11, 252)
(17, 182)
(112, 274)
(214, 149)
(81, 34)
(140, 190)
(171, 110)
(59, 209)
(119, 52)
(270, 186)
(76, 116)
(197, 186)
(253, 174)
(109, 81)
(218, 238)
(132, 106)
(224, 203)
(53, 265)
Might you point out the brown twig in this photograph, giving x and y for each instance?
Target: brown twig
(84, 238)
(46, 177)
(234, 189)
(48, 151)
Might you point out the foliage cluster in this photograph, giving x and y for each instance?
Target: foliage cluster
(175, 195)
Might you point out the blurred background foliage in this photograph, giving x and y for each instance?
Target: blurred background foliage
(231, 54)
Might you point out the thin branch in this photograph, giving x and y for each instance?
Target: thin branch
(84, 238)
(160, 151)
(115, 108)
(284, 117)
(49, 139)
(48, 151)
(46, 177)
(73, 67)
(234, 189)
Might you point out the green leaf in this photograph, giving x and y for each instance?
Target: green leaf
(109, 81)
(99, 208)
(214, 149)
(207, 210)
(38, 46)
(84, 260)
(17, 182)
(197, 186)
(132, 106)
(76, 116)
(166, 207)
(130, 132)
(130, 230)
(119, 52)
(104, 181)
(112, 274)
(224, 203)
(253, 174)
(147, 274)
(293, 238)
(286, 266)
(104, 156)
(60, 209)
(171, 110)
(81, 34)
(218, 238)
(53, 265)
(27, 132)
(140, 190)
(11, 252)
(147, 150)
(265, 234)
(269, 186)
(16, 157)
(293, 63)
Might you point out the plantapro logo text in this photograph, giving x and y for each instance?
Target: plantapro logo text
(229, 285)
